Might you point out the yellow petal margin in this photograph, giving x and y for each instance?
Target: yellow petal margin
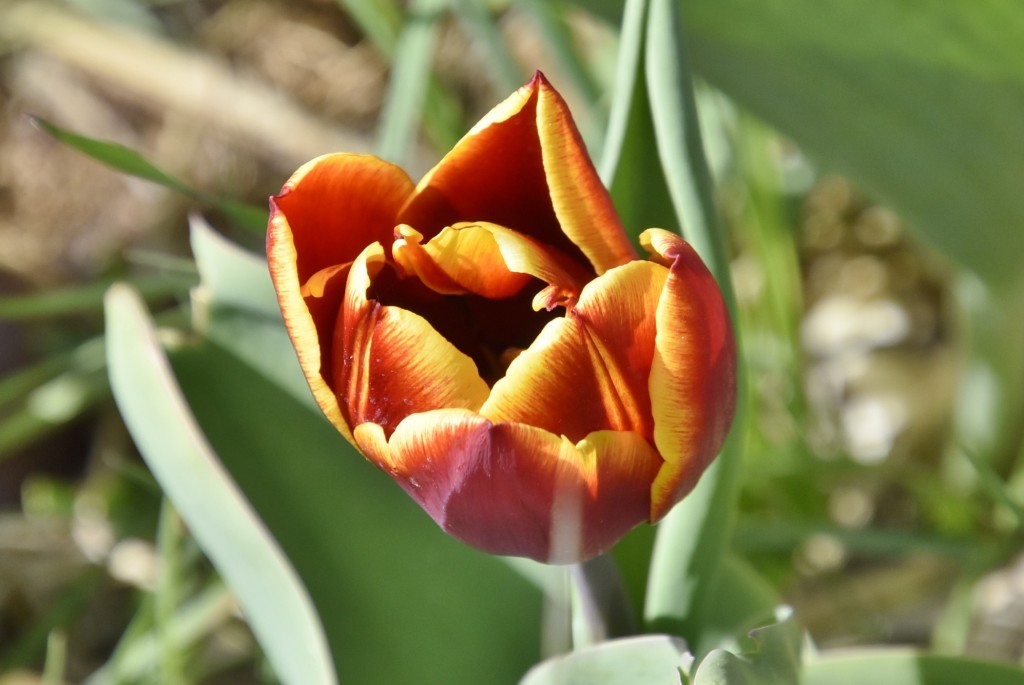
(693, 374)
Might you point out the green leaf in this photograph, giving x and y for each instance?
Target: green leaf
(651, 660)
(221, 519)
(88, 297)
(637, 186)
(381, 21)
(773, 658)
(920, 102)
(131, 162)
(905, 667)
(483, 30)
(550, 18)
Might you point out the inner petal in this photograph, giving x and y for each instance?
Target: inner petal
(390, 362)
(488, 260)
(589, 371)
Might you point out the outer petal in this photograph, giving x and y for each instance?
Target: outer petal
(693, 376)
(524, 166)
(390, 363)
(485, 259)
(338, 204)
(582, 204)
(589, 371)
(516, 489)
(322, 219)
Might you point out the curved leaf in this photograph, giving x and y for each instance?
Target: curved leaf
(229, 531)
(652, 660)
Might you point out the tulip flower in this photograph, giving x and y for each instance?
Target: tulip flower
(491, 339)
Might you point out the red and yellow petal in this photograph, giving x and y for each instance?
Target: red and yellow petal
(389, 362)
(338, 204)
(582, 204)
(589, 371)
(524, 166)
(309, 320)
(485, 259)
(517, 489)
(693, 375)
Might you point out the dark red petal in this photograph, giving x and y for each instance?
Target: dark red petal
(516, 489)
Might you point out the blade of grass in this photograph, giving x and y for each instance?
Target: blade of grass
(55, 403)
(381, 22)
(139, 651)
(550, 18)
(31, 643)
(637, 186)
(87, 298)
(479, 22)
(411, 67)
(131, 162)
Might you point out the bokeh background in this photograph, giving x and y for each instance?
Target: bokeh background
(883, 491)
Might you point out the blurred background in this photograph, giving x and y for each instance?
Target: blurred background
(883, 489)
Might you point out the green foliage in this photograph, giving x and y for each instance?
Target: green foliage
(919, 102)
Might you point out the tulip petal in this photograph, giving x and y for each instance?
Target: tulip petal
(390, 362)
(488, 260)
(517, 489)
(324, 216)
(524, 166)
(582, 203)
(693, 375)
(589, 370)
(336, 205)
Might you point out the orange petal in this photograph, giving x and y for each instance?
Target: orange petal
(516, 489)
(589, 371)
(338, 204)
(693, 376)
(390, 363)
(485, 259)
(524, 166)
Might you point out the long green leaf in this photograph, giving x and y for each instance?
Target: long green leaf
(219, 516)
(131, 162)
(638, 186)
(400, 600)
